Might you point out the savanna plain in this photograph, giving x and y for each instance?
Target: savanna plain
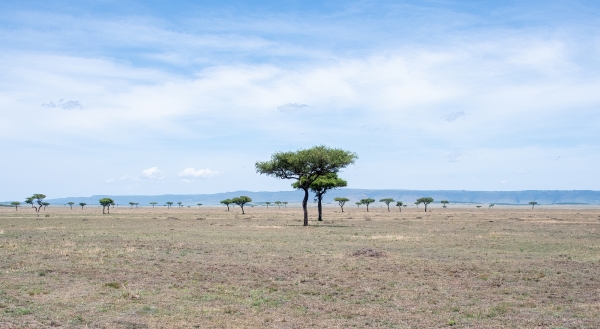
(209, 268)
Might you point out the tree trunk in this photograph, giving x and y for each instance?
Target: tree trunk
(103, 207)
(425, 207)
(81, 207)
(319, 199)
(227, 207)
(304, 206)
(367, 207)
(242, 206)
(108, 209)
(388, 207)
(342, 208)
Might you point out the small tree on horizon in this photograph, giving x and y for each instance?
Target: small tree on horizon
(36, 202)
(131, 203)
(278, 203)
(425, 201)
(153, 203)
(358, 204)
(71, 203)
(45, 204)
(478, 206)
(387, 201)
(417, 204)
(179, 204)
(169, 203)
(82, 204)
(444, 202)
(320, 186)
(367, 202)
(106, 203)
(198, 204)
(241, 201)
(532, 203)
(341, 202)
(16, 204)
(267, 203)
(399, 204)
(491, 205)
(227, 202)
(285, 204)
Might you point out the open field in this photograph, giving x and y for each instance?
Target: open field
(209, 268)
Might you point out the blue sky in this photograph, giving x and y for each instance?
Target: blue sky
(156, 97)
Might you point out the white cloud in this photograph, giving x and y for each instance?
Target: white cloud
(454, 116)
(200, 173)
(152, 173)
(289, 107)
(68, 105)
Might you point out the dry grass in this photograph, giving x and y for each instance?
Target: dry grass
(208, 268)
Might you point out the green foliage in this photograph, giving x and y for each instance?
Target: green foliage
(226, 202)
(387, 201)
(153, 203)
(305, 166)
(358, 203)
(106, 203)
(82, 204)
(425, 201)
(278, 203)
(321, 185)
(169, 203)
(444, 202)
(367, 202)
(341, 202)
(241, 201)
(532, 203)
(491, 205)
(399, 204)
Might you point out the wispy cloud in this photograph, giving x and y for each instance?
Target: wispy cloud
(152, 173)
(289, 107)
(454, 116)
(68, 105)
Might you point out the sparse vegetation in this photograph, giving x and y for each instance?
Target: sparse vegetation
(341, 202)
(16, 205)
(153, 204)
(399, 204)
(241, 201)
(532, 203)
(425, 201)
(444, 202)
(169, 204)
(387, 202)
(106, 203)
(70, 203)
(227, 202)
(367, 202)
(82, 204)
(36, 202)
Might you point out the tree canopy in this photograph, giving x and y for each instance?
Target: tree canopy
(320, 186)
(387, 201)
(444, 202)
(106, 203)
(367, 202)
(399, 204)
(341, 202)
(226, 202)
(241, 201)
(425, 201)
(532, 203)
(82, 204)
(305, 166)
(36, 202)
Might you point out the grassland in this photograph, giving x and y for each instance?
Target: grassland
(209, 268)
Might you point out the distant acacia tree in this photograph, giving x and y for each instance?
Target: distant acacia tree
(198, 204)
(82, 204)
(241, 201)
(444, 202)
(358, 204)
(267, 203)
(153, 203)
(367, 202)
(36, 202)
(478, 206)
(424, 201)
(491, 205)
(399, 204)
(106, 203)
(131, 203)
(16, 204)
(285, 204)
(169, 203)
(70, 203)
(320, 186)
(533, 203)
(387, 201)
(179, 204)
(341, 202)
(417, 204)
(278, 203)
(305, 166)
(227, 202)
(45, 204)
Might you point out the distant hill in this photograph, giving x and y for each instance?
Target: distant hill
(407, 196)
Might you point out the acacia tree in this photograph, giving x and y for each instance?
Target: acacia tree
(285, 204)
(71, 203)
(268, 203)
(169, 203)
(106, 203)
(45, 204)
(367, 202)
(321, 185)
(278, 203)
(131, 203)
(417, 204)
(179, 203)
(306, 166)
(341, 202)
(16, 204)
(491, 205)
(444, 202)
(358, 204)
(198, 204)
(387, 201)
(241, 201)
(82, 204)
(533, 203)
(424, 201)
(227, 202)
(153, 203)
(399, 204)
(36, 202)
